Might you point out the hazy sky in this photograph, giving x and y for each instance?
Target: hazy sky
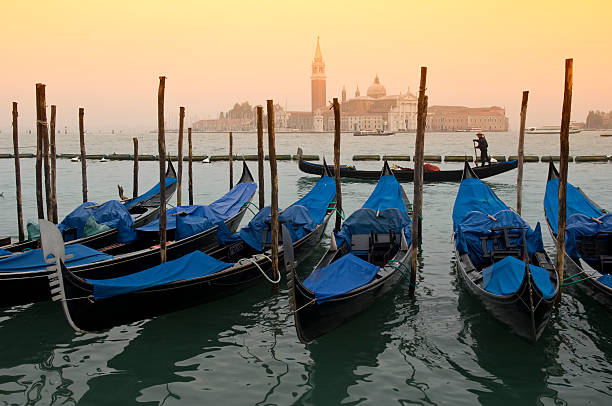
(107, 56)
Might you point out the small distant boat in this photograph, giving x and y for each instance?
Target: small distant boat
(206, 160)
(550, 129)
(103, 159)
(606, 134)
(363, 133)
(76, 159)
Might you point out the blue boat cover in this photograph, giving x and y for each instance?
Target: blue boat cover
(474, 195)
(606, 279)
(301, 217)
(579, 225)
(341, 276)
(383, 211)
(505, 277)
(575, 202)
(150, 193)
(112, 213)
(32, 260)
(5, 252)
(477, 224)
(197, 218)
(386, 195)
(190, 266)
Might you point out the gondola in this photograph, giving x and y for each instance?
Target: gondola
(366, 259)
(142, 209)
(588, 239)
(407, 175)
(242, 261)
(501, 260)
(194, 231)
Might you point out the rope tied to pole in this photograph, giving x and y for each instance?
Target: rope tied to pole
(399, 267)
(341, 213)
(254, 262)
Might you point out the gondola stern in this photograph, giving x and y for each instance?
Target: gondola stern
(468, 172)
(170, 171)
(326, 171)
(386, 170)
(553, 173)
(247, 176)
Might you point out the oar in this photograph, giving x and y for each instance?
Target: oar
(528, 272)
(475, 153)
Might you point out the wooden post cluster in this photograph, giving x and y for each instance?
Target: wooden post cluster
(83, 155)
(564, 156)
(179, 191)
(274, 185)
(231, 160)
(260, 157)
(41, 123)
(189, 141)
(161, 144)
(17, 173)
(419, 150)
(336, 107)
(521, 154)
(135, 181)
(53, 152)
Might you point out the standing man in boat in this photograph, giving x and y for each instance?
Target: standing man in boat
(482, 145)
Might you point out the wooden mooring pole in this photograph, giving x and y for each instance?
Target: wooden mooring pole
(336, 107)
(161, 144)
(41, 122)
(17, 173)
(564, 156)
(53, 152)
(179, 191)
(521, 154)
(135, 181)
(231, 160)
(417, 207)
(47, 167)
(260, 157)
(83, 155)
(274, 185)
(190, 187)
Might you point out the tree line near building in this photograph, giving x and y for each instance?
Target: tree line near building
(599, 119)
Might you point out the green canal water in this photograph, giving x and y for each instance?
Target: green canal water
(440, 348)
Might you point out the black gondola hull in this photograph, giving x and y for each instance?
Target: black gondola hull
(27, 287)
(95, 315)
(313, 320)
(407, 175)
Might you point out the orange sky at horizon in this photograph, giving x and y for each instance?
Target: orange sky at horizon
(107, 56)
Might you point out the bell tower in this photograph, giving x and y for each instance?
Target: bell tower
(317, 80)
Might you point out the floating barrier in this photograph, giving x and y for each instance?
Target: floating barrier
(526, 158)
(459, 158)
(591, 158)
(305, 157)
(366, 157)
(432, 158)
(396, 157)
(554, 158)
(280, 157)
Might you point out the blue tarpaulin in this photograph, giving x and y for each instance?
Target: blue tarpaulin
(505, 277)
(606, 279)
(341, 276)
(383, 211)
(149, 194)
(477, 224)
(112, 213)
(190, 266)
(4, 252)
(474, 195)
(33, 260)
(579, 225)
(386, 195)
(197, 218)
(301, 217)
(575, 203)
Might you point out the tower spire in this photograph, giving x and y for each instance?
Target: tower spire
(318, 56)
(317, 80)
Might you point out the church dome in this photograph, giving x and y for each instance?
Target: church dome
(376, 90)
